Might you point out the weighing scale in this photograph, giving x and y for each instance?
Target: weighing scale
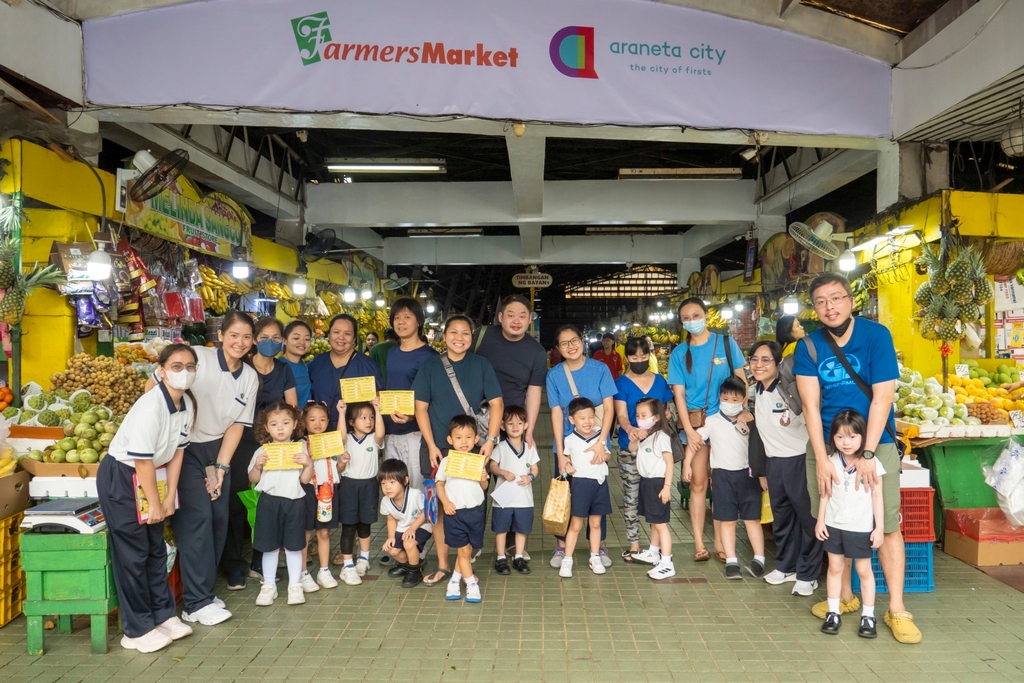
(66, 515)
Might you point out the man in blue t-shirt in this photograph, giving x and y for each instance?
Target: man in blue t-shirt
(825, 388)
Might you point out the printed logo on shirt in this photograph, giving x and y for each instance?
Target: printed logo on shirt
(833, 373)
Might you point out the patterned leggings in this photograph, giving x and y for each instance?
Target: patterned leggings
(630, 494)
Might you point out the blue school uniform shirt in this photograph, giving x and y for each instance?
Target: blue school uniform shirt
(403, 367)
(696, 381)
(593, 381)
(325, 379)
(631, 394)
(871, 354)
(302, 384)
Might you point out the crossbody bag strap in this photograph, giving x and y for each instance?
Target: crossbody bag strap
(857, 379)
(480, 338)
(711, 371)
(728, 353)
(450, 371)
(572, 384)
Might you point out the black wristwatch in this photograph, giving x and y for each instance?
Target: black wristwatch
(225, 468)
(869, 455)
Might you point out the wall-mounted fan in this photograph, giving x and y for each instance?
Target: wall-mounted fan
(820, 236)
(157, 174)
(318, 245)
(394, 282)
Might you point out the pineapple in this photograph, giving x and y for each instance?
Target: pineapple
(960, 270)
(962, 292)
(970, 312)
(931, 318)
(8, 250)
(950, 328)
(12, 306)
(936, 276)
(924, 295)
(982, 291)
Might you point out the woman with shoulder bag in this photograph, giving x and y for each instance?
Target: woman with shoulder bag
(696, 371)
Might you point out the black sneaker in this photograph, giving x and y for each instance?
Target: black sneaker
(867, 628)
(413, 576)
(756, 569)
(501, 566)
(521, 565)
(832, 623)
(732, 571)
(385, 560)
(236, 581)
(398, 571)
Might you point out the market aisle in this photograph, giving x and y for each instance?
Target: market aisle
(618, 627)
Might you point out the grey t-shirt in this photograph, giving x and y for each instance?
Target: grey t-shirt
(518, 365)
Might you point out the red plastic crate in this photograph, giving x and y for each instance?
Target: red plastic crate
(917, 516)
(174, 578)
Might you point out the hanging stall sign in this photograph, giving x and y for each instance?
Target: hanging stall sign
(628, 62)
(532, 280)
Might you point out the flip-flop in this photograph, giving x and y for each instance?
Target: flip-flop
(338, 560)
(720, 556)
(627, 555)
(701, 555)
(445, 575)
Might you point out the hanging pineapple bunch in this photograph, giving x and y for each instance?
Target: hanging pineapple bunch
(952, 298)
(12, 306)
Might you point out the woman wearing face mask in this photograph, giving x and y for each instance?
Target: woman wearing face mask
(150, 444)
(297, 340)
(277, 383)
(638, 383)
(696, 370)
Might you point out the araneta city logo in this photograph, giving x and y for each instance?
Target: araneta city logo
(572, 51)
(311, 32)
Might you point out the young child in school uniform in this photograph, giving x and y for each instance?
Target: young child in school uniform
(515, 464)
(737, 494)
(359, 491)
(590, 500)
(408, 528)
(281, 510)
(462, 501)
(849, 521)
(322, 504)
(655, 464)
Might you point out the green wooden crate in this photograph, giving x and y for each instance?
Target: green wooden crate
(957, 477)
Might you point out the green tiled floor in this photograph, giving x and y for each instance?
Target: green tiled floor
(617, 627)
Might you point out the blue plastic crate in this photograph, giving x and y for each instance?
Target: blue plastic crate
(920, 570)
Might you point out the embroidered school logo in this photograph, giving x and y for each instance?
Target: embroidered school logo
(572, 51)
(311, 32)
(832, 371)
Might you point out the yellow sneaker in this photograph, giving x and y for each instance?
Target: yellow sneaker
(821, 609)
(904, 630)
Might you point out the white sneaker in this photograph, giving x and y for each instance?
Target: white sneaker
(174, 629)
(662, 570)
(805, 588)
(211, 615)
(557, 557)
(454, 591)
(565, 570)
(596, 565)
(297, 593)
(218, 602)
(308, 583)
(473, 592)
(268, 593)
(777, 578)
(151, 642)
(350, 576)
(605, 560)
(647, 556)
(361, 566)
(326, 579)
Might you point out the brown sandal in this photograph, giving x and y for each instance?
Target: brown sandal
(720, 556)
(701, 555)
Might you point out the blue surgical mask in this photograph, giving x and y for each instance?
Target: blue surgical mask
(695, 326)
(269, 347)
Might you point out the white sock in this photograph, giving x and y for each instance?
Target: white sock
(293, 558)
(472, 580)
(732, 560)
(364, 555)
(869, 611)
(518, 556)
(666, 560)
(456, 578)
(270, 565)
(593, 555)
(325, 569)
(350, 562)
(655, 549)
(305, 573)
(759, 558)
(833, 605)
(501, 557)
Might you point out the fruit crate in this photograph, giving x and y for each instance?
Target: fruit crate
(920, 570)
(10, 571)
(11, 602)
(917, 517)
(10, 533)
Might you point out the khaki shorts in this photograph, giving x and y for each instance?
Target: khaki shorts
(890, 459)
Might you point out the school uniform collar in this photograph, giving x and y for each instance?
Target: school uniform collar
(224, 365)
(171, 408)
(358, 440)
(405, 501)
(724, 417)
(847, 467)
(520, 452)
(588, 439)
(770, 389)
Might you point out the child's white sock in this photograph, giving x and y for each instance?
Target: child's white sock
(349, 562)
(270, 565)
(456, 577)
(472, 580)
(759, 558)
(518, 556)
(325, 569)
(500, 558)
(656, 550)
(593, 555)
(666, 560)
(732, 560)
(869, 611)
(833, 605)
(293, 558)
(364, 555)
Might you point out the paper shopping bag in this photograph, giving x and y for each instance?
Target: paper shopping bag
(766, 509)
(557, 507)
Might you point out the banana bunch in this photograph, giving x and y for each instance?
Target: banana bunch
(280, 292)
(7, 465)
(332, 301)
(291, 308)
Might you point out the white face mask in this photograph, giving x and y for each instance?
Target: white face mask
(180, 380)
(645, 424)
(731, 409)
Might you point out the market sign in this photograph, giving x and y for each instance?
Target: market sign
(626, 62)
(532, 280)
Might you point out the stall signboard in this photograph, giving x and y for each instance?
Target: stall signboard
(532, 280)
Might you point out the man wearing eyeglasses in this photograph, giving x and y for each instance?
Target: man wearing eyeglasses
(825, 388)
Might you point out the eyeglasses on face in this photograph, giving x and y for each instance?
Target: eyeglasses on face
(178, 367)
(834, 301)
(570, 343)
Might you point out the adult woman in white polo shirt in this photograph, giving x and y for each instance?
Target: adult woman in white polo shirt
(150, 444)
(784, 436)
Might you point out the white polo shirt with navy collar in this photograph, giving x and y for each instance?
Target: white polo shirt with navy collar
(363, 454)
(575, 446)
(224, 397)
(413, 504)
(780, 441)
(154, 429)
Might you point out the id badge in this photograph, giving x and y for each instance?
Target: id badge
(786, 418)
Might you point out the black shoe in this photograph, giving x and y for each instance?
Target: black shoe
(732, 571)
(756, 569)
(501, 566)
(521, 565)
(236, 581)
(867, 628)
(413, 576)
(385, 560)
(398, 571)
(832, 623)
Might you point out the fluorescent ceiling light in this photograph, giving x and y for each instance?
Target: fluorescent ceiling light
(681, 173)
(445, 232)
(387, 165)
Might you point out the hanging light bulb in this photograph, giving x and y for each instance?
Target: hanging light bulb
(299, 287)
(240, 270)
(727, 313)
(379, 300)
(848, 261)
(367, 293)
(738, 306)
(423, 294)
(349, 295)
(791, 306)
(431, 307)
(99, 264)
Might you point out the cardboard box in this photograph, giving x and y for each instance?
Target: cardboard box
(13, 494)
(982, 537)
(914, 476)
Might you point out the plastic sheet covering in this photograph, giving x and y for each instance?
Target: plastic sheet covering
(988, 525)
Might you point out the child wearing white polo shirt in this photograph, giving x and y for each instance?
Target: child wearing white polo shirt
(362, 427)
(655, 465)
(408, 528)
(590, 500)
(515, 465)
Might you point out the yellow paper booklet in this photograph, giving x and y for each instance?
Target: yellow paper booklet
(141, 504)
(403, 402)
(464, 465)
(358, 389)
(325, 445)
(281, 456)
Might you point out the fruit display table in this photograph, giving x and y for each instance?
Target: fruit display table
(65, 575)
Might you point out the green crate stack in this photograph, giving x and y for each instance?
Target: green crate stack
(12, 578)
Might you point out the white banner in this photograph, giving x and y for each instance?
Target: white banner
(632, 62)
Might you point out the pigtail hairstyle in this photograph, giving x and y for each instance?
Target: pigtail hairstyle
(686, 339)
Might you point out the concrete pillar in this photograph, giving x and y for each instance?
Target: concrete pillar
(684, 269)
(910, 170)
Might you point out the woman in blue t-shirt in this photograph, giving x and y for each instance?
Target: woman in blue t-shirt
(638, 383)
(696, 371)
(297, 340)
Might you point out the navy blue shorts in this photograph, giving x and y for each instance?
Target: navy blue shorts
(359, 500)
(280, 523)
(737, 495)
(465, 527)
(589, 498)
(650, 505)
(855, 545)
(515, 520)
(422, 536)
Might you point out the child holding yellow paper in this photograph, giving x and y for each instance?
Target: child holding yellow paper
(322, 504)
(359, 492)
(281, 510)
